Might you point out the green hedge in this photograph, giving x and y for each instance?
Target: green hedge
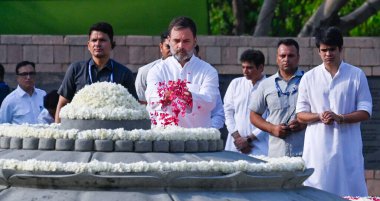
(70, 17)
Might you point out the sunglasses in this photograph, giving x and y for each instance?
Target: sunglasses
(25, 74)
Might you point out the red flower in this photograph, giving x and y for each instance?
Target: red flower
(174, 95)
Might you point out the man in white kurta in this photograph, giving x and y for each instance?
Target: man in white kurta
(203, 85)
(331, 101)
(243, 136)
(202, 78)
(236, 109)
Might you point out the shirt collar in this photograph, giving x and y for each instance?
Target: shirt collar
(298, 73)
(108, 64)
(20, 92)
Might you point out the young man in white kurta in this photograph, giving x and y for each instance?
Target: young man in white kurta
(236, 109)
(333, 145)
(202, 78)
(243, 136)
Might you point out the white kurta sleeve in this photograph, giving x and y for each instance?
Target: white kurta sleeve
(208, 92)
(229, 108)
(217, 114)
(364, 96)
(303, 102)
(151, 93)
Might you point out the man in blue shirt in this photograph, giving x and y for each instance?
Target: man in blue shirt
(25, 103)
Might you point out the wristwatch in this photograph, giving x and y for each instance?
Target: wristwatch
(251, 138)
(235, 134)
(341, 119)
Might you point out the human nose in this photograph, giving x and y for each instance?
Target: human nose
(245, 70)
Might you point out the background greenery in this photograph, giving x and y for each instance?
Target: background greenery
(151, 17)
(134, 17)
(288, 20)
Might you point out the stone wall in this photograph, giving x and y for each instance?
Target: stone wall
(373, 182)
(53, 54)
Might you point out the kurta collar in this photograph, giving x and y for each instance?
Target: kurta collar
(340, 69)
(192, 60)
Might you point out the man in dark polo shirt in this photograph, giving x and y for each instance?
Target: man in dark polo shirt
(100, 68)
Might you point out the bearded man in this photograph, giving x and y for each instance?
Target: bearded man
(202, 87)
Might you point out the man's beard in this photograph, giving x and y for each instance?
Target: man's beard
(181, 55)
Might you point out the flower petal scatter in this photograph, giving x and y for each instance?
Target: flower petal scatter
(104, 101)
(155, 134)
(174, 99)
(291, 164)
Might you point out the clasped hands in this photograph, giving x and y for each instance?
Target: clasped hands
(283, 130)
(243, 144)
(329, 117)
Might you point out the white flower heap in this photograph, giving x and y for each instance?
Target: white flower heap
(272, 165)
(104, 101)
(156, 134)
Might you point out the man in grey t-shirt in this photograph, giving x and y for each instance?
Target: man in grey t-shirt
(278, 94)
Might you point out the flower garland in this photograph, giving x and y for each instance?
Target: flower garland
(369, 198)
(174, 98)
(104, 101)
(155, 134)
(284, 164)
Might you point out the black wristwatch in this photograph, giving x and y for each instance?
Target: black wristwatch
(251, 138)
(235, 134)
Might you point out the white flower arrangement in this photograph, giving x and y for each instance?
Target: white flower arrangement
(36, 131)
(104, 101)
(155, 134)
(285, 164)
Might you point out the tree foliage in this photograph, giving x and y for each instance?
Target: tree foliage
(288, 17)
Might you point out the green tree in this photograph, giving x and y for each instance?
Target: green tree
(293, 17)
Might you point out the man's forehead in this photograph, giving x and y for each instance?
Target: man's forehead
(98, 34)
(247, 64)
(177, 32)
(25, 68)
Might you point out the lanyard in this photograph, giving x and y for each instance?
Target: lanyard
(287, 93)
(89, 72)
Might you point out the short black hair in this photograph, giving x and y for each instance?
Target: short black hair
(24, 63)
(105, 28)
(183, 23)
(51, 100)
(253, 56)
(2, 72)
(196, 48)
(331, 36)
(164, 36)
(289, 42)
